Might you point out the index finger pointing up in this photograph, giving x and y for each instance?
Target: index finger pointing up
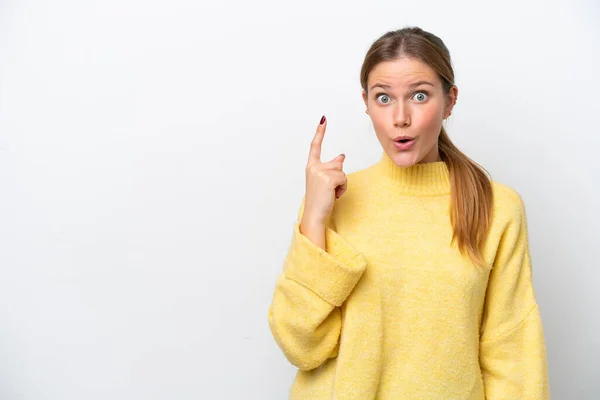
(315, 147)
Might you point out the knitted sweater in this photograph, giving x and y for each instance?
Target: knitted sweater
(391, 310)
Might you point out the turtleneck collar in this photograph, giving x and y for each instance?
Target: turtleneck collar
(428, 179)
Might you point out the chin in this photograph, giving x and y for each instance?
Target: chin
(405, 158)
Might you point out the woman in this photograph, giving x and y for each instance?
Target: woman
(410, 279)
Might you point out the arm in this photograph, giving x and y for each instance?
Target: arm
(512, 348)
(304, 315)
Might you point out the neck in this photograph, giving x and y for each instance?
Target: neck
(427, 179)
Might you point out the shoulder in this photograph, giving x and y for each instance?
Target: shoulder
(361, 177)
(359, 184)
(505, 193)
(354, 203)
(508, 202)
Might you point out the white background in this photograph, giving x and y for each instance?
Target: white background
(152, 160)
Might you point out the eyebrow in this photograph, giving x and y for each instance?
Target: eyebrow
(384, 86)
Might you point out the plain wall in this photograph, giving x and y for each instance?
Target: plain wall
(152, 162)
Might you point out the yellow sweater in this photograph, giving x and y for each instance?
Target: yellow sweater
(392, 311)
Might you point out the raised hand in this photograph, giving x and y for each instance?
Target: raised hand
(325, 181)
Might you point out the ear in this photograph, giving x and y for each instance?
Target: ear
(451, 101)
(364, 96)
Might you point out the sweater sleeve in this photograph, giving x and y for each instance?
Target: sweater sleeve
(304, 315)
(512, 348)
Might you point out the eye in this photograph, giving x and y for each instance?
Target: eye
(383, 96)
(421, 96)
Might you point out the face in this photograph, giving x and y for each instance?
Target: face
(405, 98)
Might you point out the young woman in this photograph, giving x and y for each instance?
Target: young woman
(412, 278)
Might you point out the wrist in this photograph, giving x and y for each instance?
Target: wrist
(312, 223)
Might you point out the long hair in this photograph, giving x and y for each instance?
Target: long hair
(471, 189)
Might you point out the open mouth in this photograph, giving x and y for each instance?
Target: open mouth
(404, 143)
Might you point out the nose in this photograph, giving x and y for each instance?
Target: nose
(401, 115)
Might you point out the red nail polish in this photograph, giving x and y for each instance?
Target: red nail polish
(322, 120)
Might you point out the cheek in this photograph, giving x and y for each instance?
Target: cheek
(429, 116)
(380, 121)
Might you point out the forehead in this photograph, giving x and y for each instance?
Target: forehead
(402, 72)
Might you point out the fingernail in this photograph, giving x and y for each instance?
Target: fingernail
(322, 120)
